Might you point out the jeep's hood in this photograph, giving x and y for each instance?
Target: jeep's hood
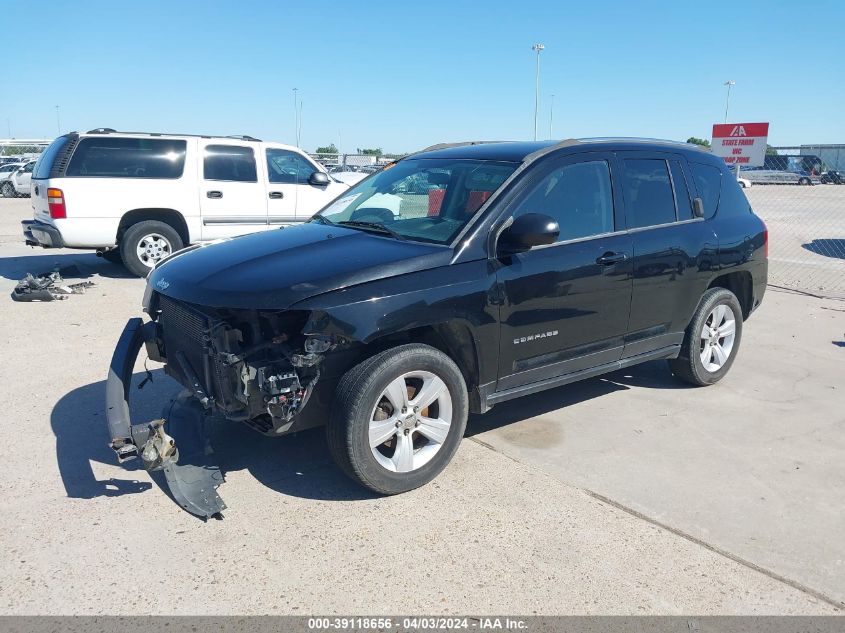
(275, 269)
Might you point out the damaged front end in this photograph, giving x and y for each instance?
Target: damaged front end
(253, 366)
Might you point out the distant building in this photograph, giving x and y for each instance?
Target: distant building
(833, 156)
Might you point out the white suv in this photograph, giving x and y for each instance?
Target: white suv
(138, 197)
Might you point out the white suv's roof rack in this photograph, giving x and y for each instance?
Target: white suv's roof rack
(108, 130)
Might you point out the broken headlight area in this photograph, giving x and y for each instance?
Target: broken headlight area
(250, 365)
(253, 366)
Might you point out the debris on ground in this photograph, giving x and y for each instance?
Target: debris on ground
(48, 287)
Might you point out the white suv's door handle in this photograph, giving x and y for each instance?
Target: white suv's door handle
(276, 195)
(214, 194)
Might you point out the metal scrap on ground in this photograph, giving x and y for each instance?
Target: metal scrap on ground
(48, 287)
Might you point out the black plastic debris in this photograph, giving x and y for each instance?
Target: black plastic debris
(48, 287)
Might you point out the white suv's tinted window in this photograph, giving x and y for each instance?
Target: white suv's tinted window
(111, 157)
(48, 156)
(579, 196)
(229, 162)
(648, 192)
(288, 167)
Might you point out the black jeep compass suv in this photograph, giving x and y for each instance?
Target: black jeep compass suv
(457, 278)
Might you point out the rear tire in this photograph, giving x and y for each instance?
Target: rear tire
(391, 449)
(804, 181)
(712, 339)
(146, 243)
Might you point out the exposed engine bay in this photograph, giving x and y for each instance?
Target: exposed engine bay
(253, 366)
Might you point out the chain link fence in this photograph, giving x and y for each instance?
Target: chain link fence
(800, 194)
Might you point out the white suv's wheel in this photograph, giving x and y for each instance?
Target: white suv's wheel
(146, 243)
(398, 418)
(8, 190)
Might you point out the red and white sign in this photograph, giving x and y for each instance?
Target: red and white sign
(741, 143)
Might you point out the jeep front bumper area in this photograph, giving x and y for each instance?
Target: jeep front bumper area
(183, 451)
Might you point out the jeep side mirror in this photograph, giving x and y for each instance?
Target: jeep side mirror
(698, 207)
(526, 232)
(318, 179)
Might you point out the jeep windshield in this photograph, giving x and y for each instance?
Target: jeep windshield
(425, 199)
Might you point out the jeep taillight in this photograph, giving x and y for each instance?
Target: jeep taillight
(765, 241)
(56, 203)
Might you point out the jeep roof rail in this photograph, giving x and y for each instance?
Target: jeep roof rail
(635, 139)
(108, 130)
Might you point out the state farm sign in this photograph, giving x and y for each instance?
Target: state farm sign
(741, 143)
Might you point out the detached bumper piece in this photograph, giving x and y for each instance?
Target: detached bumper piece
(49, 287)
(37, 233)
(183, 451)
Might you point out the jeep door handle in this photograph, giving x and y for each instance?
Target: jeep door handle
(611, 258)
(276, 195)
(214, 194)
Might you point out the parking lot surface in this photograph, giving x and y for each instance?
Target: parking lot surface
(628, 494)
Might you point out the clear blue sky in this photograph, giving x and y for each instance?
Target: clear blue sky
(402, 75)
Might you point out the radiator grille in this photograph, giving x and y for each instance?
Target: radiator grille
(184, 330)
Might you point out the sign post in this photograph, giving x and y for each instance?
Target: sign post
(741, 144)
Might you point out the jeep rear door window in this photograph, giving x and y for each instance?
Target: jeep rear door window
(425, 199)
(579, 196)
(229, 162)
(286, 167)
(649, 200)
(708, 181)
(110, 157)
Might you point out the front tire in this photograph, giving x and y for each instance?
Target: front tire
(8, 190)
(712, 339)
(398, 418)
(146, 243)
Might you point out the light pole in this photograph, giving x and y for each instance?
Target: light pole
(728, 83)
(551, 116)
(537, 48)
(295, 117)
(58, 121)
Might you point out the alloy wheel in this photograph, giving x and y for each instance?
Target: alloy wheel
(152, 248)
(717, 338)
(411, 421)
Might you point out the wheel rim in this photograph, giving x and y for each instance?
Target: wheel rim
(153, 248)
(7, 190)
(717, 338)
(410, 421)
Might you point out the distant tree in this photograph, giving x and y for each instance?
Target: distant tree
(771, 151)
(370, 152)
(329, 149)
(698, 141)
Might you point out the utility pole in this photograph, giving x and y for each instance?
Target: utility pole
(58, 121)
(295, 117)
(537, 48)
(728, 83)
(551, 116)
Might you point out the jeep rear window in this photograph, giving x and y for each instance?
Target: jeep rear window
(48, 156)
(110, 157)
(425, 199)
(708, 181)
